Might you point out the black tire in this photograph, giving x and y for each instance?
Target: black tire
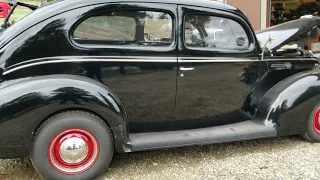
(310, 133)
(58, 123)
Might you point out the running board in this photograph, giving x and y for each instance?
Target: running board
(245, 130)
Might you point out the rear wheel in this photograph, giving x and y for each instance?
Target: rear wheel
(312, 129)
(72, 145)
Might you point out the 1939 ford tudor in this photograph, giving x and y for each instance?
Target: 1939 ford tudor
(82, 80)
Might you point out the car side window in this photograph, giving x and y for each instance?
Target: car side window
(109, 28)
(131, 28)
(211, 32)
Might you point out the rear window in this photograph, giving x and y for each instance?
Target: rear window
(134, 28)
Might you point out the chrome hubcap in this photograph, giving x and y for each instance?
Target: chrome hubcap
(73, 150)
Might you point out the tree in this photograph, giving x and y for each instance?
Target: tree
(45, 1)
(304, 9)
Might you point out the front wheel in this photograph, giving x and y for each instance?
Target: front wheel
(312, 128)
(72, 145)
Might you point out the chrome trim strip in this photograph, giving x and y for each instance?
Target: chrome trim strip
(204, 59)
(217, 60)
(42, 61)
(142, 59)
(81, 60)
(91, 58)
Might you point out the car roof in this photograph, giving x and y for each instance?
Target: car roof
(60, 6)
(201, 3)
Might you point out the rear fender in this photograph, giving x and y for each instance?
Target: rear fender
(26, 103)
(288, 105)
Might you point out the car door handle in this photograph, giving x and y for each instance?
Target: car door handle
(186, 69)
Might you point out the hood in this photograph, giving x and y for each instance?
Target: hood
(287, 32)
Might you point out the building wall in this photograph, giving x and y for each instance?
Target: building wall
(255, 10)
(251, 8)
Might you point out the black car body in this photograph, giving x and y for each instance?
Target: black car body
(136, 67)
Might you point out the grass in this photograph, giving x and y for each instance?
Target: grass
(21, 12)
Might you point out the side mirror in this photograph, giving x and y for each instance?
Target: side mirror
(241, 41)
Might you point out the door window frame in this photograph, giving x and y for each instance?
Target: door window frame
(183, 49)
(170, 9)
(214, 48)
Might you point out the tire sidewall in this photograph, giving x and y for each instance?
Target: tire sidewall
(57, 124)
(310, 132)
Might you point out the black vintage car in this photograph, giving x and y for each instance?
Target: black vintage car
(81, 80)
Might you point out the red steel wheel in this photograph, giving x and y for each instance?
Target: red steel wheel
(312, 127)
(73, 151)
(316, 121)
(72, 145)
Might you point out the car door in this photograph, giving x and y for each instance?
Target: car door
(136, 47)
(217, 66)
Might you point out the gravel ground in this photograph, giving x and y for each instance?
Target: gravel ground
(275, 158)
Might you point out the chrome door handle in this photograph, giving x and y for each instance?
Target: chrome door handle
(186, 69)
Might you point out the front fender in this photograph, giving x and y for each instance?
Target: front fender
(288, 105)
(25, 103)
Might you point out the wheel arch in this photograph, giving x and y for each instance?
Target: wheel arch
(118, 144)
(26, 103)
(288, 105)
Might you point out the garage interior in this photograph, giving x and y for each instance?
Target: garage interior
(265, 13)
(287, 10)
(282, 11)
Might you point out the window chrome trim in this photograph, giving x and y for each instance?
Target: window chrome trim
(250, 35)
(140, 6)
